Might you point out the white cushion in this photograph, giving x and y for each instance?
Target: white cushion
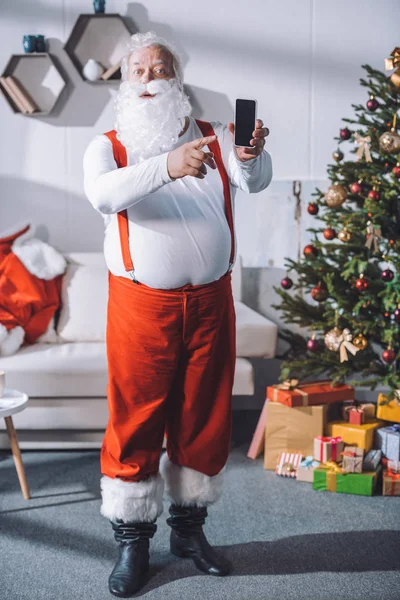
(255, 334)
(79, 370)
(84, 296)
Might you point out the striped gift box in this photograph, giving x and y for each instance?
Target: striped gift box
(288, 463)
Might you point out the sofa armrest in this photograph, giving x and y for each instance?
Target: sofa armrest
(255, 334)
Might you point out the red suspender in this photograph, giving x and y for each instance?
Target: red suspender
(121, 160)
(123, 224)
(206, 131)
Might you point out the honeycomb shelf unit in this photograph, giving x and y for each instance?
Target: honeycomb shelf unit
(39, 76)
(102, 37)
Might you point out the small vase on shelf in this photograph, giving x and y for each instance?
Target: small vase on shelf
(99, 6)
(40, 43)
(29, 42)
(92, 70)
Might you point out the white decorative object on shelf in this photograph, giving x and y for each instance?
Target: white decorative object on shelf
(93, 70)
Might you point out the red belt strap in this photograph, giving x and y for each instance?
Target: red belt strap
(121, 160)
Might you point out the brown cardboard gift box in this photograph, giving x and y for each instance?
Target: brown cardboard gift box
(291, 429)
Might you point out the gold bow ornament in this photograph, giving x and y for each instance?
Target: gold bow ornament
(374, 234)
(345, 344)
(332, 470)
(394, 63)
(290, 384)
(363, 143)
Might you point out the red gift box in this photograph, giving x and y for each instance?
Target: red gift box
(356, 416)
(292, 393)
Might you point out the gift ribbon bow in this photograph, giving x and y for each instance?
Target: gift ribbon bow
(350, 453)
(364, 144)
(307, 462)
(373, 235)
(394, 428)
(328, 440)
(346, 344)
(394, 61)
(332, 466)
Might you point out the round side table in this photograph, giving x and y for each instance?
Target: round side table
(14, 401)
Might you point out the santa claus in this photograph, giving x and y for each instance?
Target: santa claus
(165, 184)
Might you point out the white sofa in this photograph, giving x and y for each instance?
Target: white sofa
(66, 377)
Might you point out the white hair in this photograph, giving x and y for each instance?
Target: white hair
(144, 40)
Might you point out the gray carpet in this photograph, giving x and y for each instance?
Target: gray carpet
(285, 540)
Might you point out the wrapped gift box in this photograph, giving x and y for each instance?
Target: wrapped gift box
(357, 414)
(355, 435)
(288, 463)
(312, 393)
(352, 459)
(390, 483)
(372, 460)
(388, 412)
(291, 429)
(333, 480)
(328, 448)
(387, 439)
(305, 470)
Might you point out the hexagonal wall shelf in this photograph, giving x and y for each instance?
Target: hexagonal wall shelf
(102, 37)
(38, 79)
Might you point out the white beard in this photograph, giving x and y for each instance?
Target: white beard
(150, 126)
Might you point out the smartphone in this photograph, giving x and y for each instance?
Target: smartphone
(245, 121)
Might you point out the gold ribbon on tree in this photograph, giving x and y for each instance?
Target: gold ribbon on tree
(373, 235)
(345, 344)
(394, 63)
(364, 144)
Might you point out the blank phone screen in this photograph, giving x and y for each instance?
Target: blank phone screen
(245, 115)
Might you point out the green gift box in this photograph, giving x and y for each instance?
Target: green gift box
(332, 480)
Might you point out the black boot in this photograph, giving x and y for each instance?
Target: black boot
(129, 573)
(188, 539)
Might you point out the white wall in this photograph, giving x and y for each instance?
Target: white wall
(301, 60)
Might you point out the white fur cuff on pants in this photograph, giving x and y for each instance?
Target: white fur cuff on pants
(187, 487)
(132, 501)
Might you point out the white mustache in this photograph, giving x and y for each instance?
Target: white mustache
(152, 87)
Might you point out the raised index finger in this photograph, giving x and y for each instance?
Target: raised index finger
(204, 141)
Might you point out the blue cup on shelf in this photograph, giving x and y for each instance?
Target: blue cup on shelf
(99, 6)
(40, 43)
(29, 42)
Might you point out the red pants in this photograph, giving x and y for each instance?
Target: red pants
(171, 361)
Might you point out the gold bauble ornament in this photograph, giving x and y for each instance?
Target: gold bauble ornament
(360, 341)
(333, 339)
(338, 155)
(336, 195)
(390, 141)
(344, 235)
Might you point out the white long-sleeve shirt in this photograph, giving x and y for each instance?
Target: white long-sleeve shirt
(178, 230)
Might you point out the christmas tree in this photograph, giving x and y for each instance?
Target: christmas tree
(346, 292)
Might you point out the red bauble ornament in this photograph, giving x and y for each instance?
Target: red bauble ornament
(387, 275)
(372, 104)
(356, 188)
(345, 134)
(313, 208)
(396, 314)
(310, 250)
(313, 345)
(374, 195)
(329, 233)
(389, 356)
(319, 293)
(286, 283)
(361, 283)
(396, 171)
